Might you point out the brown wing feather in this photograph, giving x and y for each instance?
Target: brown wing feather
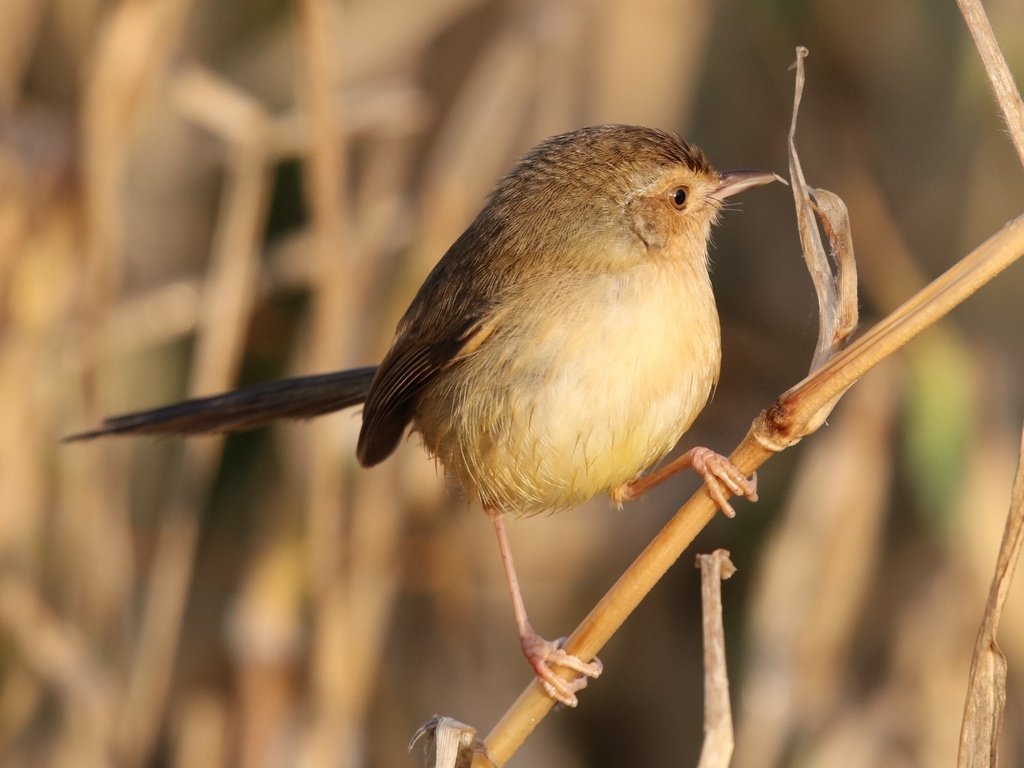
(407, 368)
(450, 316)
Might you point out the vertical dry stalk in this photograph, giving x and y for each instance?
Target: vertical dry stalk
(129, 61)
(331, 737)
(124, 68)
(131, 57)
(718, 734)
(223, 321)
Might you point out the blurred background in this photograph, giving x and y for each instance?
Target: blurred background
(197, 195)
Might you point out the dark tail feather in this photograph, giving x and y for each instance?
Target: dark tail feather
(299, 398)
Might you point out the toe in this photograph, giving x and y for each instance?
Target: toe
(575, 663)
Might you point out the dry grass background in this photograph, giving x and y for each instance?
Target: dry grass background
(198, 194)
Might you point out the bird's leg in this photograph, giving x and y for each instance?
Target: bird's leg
(718, 472)
(539, 652)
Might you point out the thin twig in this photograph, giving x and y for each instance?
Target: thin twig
(999, 76)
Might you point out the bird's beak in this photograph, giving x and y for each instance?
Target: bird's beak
(734, 182)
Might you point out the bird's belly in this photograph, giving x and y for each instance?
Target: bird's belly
(548, 414)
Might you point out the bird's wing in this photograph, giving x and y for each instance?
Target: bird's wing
(454, 313)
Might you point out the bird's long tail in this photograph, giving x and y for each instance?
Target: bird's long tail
(299, 398)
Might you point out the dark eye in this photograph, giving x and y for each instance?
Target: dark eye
(678, 197)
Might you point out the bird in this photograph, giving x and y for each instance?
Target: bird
(559, 349)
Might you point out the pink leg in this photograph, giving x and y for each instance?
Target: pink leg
(539, 652)
(716, 470)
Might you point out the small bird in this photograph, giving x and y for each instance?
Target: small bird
(559, 349)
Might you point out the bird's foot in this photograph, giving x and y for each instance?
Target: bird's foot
(718, 471)
(543, 653)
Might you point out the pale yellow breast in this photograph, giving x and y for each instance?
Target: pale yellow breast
(585, 386)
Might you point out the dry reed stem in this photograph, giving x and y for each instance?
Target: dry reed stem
(225, 308)
(324, 171)
(129, 60)
(778, 427)
(1006, 93)
(986, 689)
(718, 733)
(123, 68)
(134, 45)
(331, 738)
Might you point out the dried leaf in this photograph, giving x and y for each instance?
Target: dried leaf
(837, 292)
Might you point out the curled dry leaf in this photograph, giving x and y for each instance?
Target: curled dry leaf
(836, 288)
(835, 221)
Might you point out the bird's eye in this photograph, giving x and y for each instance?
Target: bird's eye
(678, 197)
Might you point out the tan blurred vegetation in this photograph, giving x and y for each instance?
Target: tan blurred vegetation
(196, 195)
